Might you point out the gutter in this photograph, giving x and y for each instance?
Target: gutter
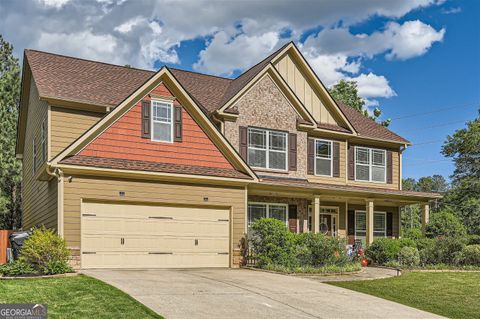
(58, 173)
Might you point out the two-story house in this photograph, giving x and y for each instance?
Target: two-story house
(137, 168)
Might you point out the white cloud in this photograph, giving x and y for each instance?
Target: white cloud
(127, 26)
(53, 3)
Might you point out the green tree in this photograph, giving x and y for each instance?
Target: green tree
(445, 223)
(10, 167)
(347, 92)
(464, 196)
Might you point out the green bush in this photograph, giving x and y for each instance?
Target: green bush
(17, 268)
(409, 257)
(445, 224)
(413, 233)
(46, 252)
(441, 250)
(318, 250)
(473, 240)
(470, 255)
(272, 243)
(384, 250)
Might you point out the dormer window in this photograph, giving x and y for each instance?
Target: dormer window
(162, 123)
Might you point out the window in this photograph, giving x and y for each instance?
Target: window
(267, 210)
(267, 149)
(323, 158)
(370, 164)
(379, 224)
(162, 124)
(43, 141)
(35, 159)
(360, 225)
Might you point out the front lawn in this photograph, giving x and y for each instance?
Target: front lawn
(454, 295)
(74, 297)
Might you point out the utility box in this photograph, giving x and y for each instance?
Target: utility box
(16, 242)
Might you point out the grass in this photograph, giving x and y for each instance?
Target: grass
(454, 295)
(74, 297)
(315, 270)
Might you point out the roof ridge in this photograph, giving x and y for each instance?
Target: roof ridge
(200, 73)
(94, 61)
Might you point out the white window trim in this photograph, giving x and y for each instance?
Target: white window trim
(267, 150)
(364, 212)
(170, 104)
(331, 157)
(35, 159)
(370, 165)
(267, 207)
(43, 140)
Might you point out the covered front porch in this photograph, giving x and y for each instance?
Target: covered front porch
(354, 214)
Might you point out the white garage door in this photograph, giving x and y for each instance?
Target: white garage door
(137, 236)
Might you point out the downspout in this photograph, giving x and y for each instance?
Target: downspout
(58, 173)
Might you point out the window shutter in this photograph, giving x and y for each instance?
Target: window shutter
(351, 162)
(146, 130)
(389, 224)
(389, 167)
(292, 153)
(177, 129)
(311, 156)
(243, 142)
(336, 159)
(351, 223)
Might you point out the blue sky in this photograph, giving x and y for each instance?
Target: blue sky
(409, 57)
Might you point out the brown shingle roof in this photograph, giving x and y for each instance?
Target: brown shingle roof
(114, 163)
(366, 127)
(97, 83)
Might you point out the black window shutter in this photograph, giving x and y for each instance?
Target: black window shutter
(177, 129)
(351, 162)
(351, 223)
(389, 167)
(311, 156)
(336, 159)
(292, 153)
(146, 130)
(243, 142)
(389, 224)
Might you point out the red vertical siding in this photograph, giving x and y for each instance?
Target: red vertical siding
(123, 140)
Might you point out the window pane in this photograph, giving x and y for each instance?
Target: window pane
(378, 157)
(360, 223)
(256, 211)
(278, 212)
(323, 149)
(162, 131)
(324, 166)
(257, 158)
(378, 174)
(257, 138)
(278, 141)
(379, 222)
(162, 112)
(362, 156)
(362, 172)
(277, 160)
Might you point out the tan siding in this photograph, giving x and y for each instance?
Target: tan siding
(394, 210)
(300, 85)
(39, 197)
(334, 180)
(68, 125)
(148, 192)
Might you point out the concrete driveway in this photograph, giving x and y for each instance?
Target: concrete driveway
(240, 293)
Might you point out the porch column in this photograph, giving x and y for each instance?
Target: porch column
(425, 217)
(369, 212)
(316, 214)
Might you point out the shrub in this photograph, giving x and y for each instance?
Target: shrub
(46, 252)
(445, 223)
(272, 243)
(441, 250)
(473, 240)
(17, 268)
(384, 250)
(409, 257)
(413, 233)
(470, 255)
(318, 250)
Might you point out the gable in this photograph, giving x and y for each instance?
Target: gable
(123, 140)
(305, 91)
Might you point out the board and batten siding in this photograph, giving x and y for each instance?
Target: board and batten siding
(68, 125)
(298, 82)
(39, 198)
(98, 189)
